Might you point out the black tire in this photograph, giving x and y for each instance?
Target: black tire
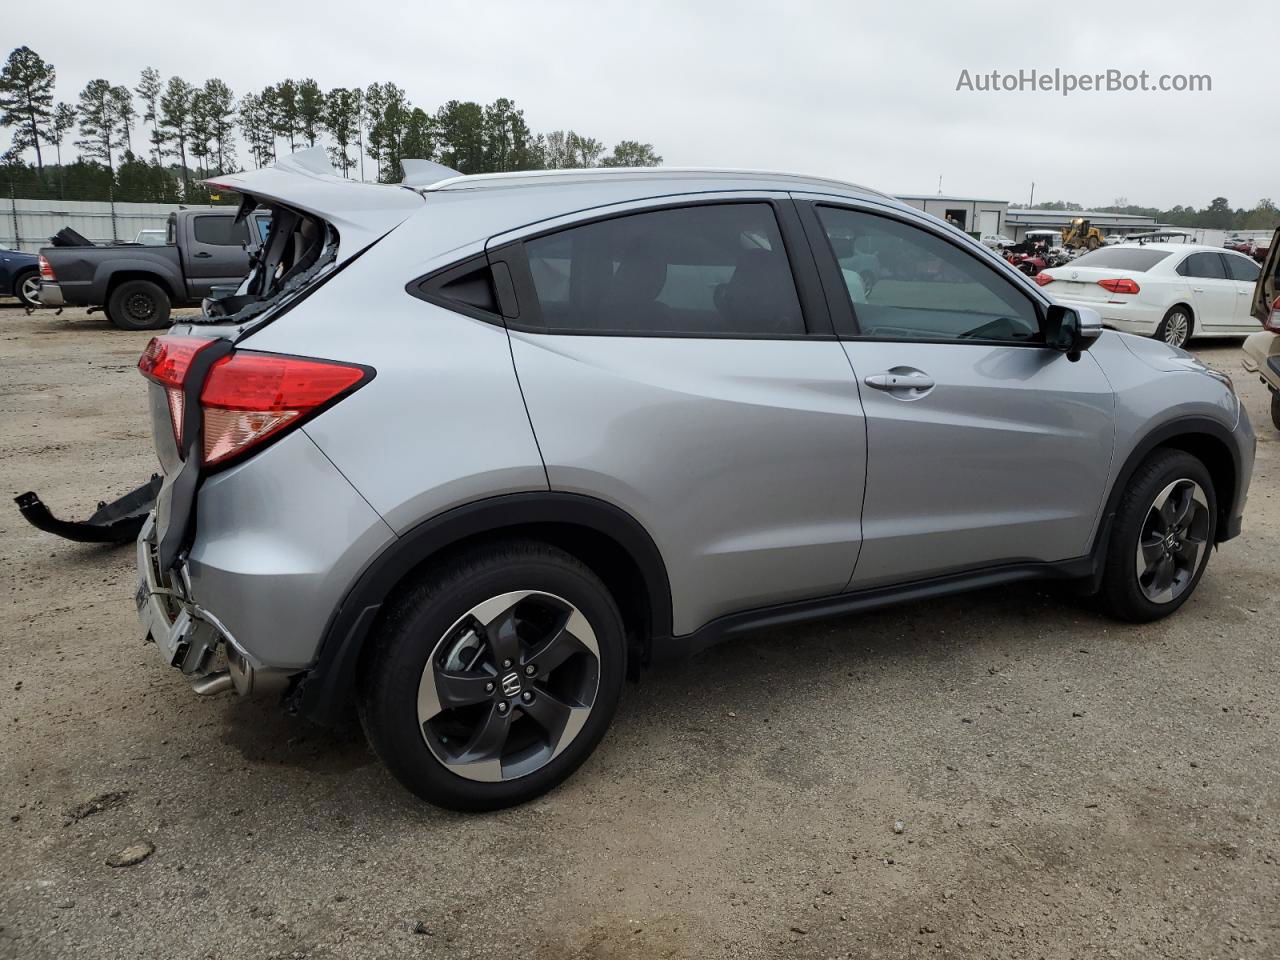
(1275, 408)
(1122, 594)
(416, 627)
(1169, 321)
(139, 305)
(24, 280)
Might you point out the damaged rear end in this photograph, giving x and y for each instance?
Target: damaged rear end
(216, 404)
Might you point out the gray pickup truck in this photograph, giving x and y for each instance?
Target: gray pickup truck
(137, 285)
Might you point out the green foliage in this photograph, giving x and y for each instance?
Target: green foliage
(1218, 215)
(194, 127)
(630, 153)
(26, 100)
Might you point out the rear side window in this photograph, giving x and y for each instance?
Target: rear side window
(220, 231)
(1242, 269)
(1205, 265)
(1137, 259)
(907, 283)
(717, 269)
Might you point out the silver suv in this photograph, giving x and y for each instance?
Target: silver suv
(467, 455)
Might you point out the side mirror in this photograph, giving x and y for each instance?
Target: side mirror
(1071, 329)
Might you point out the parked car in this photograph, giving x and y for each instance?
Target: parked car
(154, 237)
(1262, 350)
(138, 285)
(996, 241)
(1168, 291)
(467, 455)
(20, 276)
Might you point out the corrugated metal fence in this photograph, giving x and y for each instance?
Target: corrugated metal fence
(28, 224)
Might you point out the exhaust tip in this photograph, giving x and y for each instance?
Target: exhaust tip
(213, 684)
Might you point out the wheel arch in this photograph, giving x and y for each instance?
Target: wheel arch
(1208, 441)
(612, 543)
(124, 276)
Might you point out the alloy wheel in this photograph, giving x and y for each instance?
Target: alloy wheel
(1176, 328)
(1172, 541)
(30, 290)
(509, 686)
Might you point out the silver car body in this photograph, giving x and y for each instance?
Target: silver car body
(766, 472)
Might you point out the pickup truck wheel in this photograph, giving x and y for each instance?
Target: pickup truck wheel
(494, 676)
(25, 287)
(138, 305)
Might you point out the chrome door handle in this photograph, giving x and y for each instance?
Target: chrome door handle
(899, 381)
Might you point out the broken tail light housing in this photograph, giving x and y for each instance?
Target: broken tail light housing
(1121, 285)
(250, 397)
(166, 361)
(1273, 318)
(1043, 279)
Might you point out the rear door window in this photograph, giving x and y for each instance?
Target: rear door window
(1207, 266)
(708, 270)
(220, 231)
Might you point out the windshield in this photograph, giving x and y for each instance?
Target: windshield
(1137, 259)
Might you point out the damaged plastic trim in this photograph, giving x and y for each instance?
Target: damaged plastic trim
(117, 522)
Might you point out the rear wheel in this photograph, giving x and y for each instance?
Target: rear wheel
(1175, 328)
(1275, 408)
(138, 305)
(1159, 547)
(495, 677)
(26, 287)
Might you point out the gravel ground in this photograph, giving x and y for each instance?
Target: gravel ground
(1066, 786)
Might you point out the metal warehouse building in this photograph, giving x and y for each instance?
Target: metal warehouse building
(1022, 220)
(968, 213)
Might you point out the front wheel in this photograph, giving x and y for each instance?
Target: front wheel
(1159, 546)
(138, 305)
(495, 677)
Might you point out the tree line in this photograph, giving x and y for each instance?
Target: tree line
(1218, 215)
(188, 132)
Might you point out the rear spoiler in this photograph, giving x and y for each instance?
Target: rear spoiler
(118, 522)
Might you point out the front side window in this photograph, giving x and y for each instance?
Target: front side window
(1204, 265)
(906, 283)
(1241, 268)
(716, 269)
(220, 231)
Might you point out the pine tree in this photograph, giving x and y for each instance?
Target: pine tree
(149, 89)
(309, 111)
(26, 100)
(175, 123)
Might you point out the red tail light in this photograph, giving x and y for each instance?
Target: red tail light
(1043, 278)
(1123, 285)
(1273, 320)
(250, 397)
(46, 271)
(166, 362)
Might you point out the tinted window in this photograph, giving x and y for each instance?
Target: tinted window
(221, 231)
(1137, 259)
(907, 283)
(715, 269)
(1206, 265)
(1242, 268)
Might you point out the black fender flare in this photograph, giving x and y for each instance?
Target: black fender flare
(326, 687)
(1169, 434)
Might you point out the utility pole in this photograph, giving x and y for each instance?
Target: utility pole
(939, 184)
(1032, 202)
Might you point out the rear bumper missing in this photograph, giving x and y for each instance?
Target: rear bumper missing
(191, 638)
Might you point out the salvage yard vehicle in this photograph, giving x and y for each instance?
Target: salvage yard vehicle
(19, 276)
(1168, 291)
(1262, 350)
(138, 284)
(1080, 233)
(468, 455)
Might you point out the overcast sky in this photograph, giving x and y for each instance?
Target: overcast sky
(852, 90)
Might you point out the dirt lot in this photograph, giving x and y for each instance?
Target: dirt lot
(1068, 787)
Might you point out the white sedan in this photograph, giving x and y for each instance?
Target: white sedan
(1171, 291)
